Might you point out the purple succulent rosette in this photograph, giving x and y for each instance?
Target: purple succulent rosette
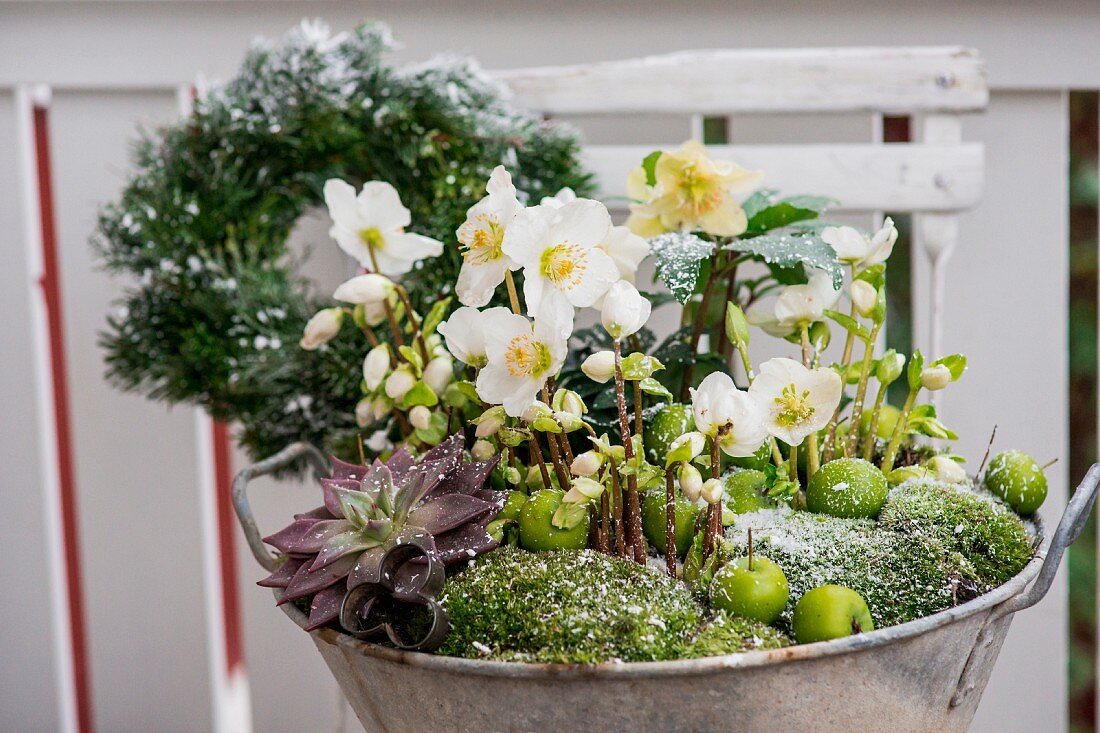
(341, 544)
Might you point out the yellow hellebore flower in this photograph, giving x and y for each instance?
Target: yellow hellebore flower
(692, 193)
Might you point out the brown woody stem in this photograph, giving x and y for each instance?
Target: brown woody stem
(634, 511)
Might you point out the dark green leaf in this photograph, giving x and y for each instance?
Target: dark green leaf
(679, 257)
(849, 324)
(789, 250)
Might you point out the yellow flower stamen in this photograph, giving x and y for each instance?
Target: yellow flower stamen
(372, 238)
(792, 408)
(481, 239)
(564, 264)
(526, 357)
(699, 192)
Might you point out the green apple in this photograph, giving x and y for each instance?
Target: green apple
(847, 487)
(668, 424)
(512, 505)
(757, 592)
(1018, 479)
(536, 532)
(744, 492)
(654, 521)
(830, 612)
(887, 420)
(757, 461)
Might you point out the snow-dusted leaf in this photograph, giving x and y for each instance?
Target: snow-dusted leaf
(788, 250)
(679, 257)
(759, 200)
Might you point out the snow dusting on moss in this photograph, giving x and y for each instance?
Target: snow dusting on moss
(901, 577)
(567, 607)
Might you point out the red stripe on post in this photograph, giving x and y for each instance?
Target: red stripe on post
(227, 548)
(51, 290)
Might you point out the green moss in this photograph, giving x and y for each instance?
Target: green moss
(902, 577)
(728, 634)
(987, 534)
(566, 607)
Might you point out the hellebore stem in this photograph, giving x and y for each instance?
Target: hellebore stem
(418, 334)
(536, 452)
(634, 510)
(872, 429)
(513, 297)
(750, 549)
(710, 537)
(861, 392)
(560, 469)
(617, 509)
(845, 360)
(899, 431)
(697, 328)
(670, 522)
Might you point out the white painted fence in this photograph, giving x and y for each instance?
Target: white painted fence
(149, 612)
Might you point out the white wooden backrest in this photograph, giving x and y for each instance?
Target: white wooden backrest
(934, 177)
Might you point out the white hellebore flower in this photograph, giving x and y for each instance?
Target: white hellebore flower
(586, 463)
(727, 415)
(685, 447)
(857, 249)
(947, 470)
(322, 328)
(599, 367)
(935, 378)
(626, 249)
(562, 265)
(481, 236)
(691, 482)
(367, 289)
(399, 383)
(439, 373)
(376, 366)
(521, 357)
(712, 491)
(374, 313)
(624, 310)
(796, 401)
(560, 199)
(464, 333)
(482, 450)
(864, 297)
(420, 417)
(370, 227)
(796, 306)
(363, 412)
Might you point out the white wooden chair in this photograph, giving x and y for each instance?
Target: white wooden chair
(934, 177)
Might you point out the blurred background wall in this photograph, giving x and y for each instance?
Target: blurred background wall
(116, 65)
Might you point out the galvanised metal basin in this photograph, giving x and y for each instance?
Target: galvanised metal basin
(923, 676)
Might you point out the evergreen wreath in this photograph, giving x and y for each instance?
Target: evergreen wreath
(216, 313)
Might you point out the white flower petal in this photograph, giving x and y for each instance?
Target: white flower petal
(599, 273)
(583, 221)
(341, 203)
(626, 249)
(380, 206)
(526, 237)
(477, 282)
(352, 244)
(401, 250)
(849, 244)
(500, 326)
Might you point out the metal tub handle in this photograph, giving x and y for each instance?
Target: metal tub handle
(285, 458)
(1069, 529)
